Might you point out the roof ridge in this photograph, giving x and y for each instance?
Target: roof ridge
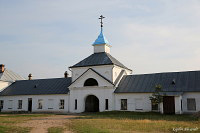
(44, 79)
(164, 73)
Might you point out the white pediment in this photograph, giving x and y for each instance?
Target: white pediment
(90, 73)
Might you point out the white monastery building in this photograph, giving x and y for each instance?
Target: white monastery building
(100, 83)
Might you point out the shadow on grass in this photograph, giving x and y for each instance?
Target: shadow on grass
(136, 116)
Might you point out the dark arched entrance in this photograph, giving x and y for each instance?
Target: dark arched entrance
(91, 104)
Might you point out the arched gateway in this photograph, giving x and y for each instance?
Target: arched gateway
(91, 104)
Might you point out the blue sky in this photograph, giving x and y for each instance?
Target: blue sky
(45, 37)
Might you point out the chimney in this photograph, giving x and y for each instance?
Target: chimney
(30, 76)
(66, 74)
(2, 68)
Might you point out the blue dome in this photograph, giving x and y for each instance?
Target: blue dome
(101, 39)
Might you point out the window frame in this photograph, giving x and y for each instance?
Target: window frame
(62, 104)
(156, 105)
(124, 104)
(76, 104)
(50, 102)
(10, 103)
(40, 103)
(20, 104)
(188, 106)
(106, 104)
(1, 104)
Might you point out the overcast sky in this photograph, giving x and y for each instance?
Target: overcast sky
(45, 37)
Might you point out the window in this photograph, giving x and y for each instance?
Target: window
(62, 104)
(181, 105)
(1, 104)
(40, 102)
(138, 104)
(10, 104)
(191, 104)
(106, 104)
(123, 104)
(91, 82)
(154, 106)
(19, 104)
(50, 103)
(75, 104)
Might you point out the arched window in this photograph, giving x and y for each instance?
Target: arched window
(91, 82)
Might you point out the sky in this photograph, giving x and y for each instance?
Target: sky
(45, 37)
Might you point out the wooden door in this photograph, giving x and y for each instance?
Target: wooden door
(92, 104)
(168, 105)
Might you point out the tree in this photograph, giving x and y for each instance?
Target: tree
(156, 97)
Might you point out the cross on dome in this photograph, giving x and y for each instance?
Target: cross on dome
(101, 17)
(101, 38)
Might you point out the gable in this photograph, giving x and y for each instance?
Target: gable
(90, 73)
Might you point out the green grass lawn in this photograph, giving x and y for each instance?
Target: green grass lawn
(125, 122)
(8, 122)
(107, 122)
(55, 130)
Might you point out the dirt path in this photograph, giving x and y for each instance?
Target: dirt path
(41, 125)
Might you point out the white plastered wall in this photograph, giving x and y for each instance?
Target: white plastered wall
(132, 99)
(98, 48)
(56, 100)
(177, 100)
(81, 94)
(185, 96)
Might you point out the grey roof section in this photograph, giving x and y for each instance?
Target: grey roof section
(38, 87)
(188, 81)
(97, 59)
(10, 76)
